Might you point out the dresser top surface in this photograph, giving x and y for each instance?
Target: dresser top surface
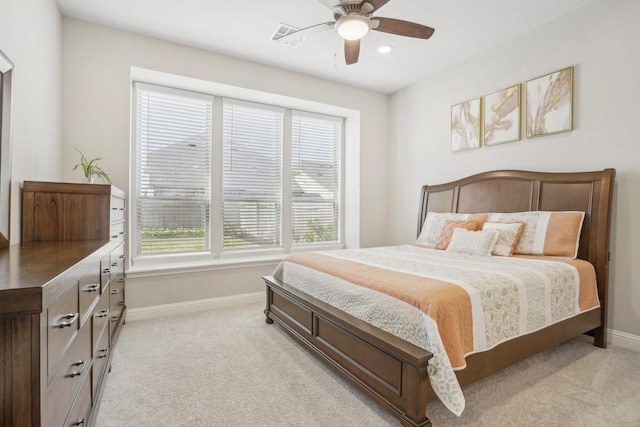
(35, 264)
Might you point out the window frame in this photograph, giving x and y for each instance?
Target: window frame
(216, 257)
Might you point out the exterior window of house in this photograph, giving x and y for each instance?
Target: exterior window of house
(224, 177)
(173, 179)
(315, 178)
(252, 175)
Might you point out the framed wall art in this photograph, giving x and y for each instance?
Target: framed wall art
(549, 102)
(501, 113)
(465, 125)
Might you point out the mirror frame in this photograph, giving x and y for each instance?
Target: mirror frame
(6, 71)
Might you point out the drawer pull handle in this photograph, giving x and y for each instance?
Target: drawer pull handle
(115, 264)
(79, 422)
(121, 303)
(121, 280)
(114, 319)
(92, 288)
(115, 291)
(72, 317)
(103, 313)
(104, 351)
(106, 270)
(115, 236)
(123, 209)
(76, 372)
(121, 256)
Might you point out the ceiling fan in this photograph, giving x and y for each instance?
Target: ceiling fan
(353, 20)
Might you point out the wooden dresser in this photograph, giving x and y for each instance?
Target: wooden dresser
(62, 303)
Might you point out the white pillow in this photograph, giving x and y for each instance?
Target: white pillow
(509, 234)
(477, 243)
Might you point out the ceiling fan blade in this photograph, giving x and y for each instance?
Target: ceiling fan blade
(370, 6)
(402, 28)
(351, 51)
(297, 37)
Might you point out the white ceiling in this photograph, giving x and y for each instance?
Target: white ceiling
(243, 29)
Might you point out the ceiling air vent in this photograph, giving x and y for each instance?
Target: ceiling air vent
(285, 30)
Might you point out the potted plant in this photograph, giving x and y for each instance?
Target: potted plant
(90, 169)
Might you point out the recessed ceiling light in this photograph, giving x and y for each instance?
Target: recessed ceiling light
(385, 48)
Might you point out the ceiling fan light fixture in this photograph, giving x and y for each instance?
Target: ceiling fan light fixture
(353, 27)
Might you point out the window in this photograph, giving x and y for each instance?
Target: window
(315, 178)
(225, 177)
(173, 180)
(252, 175)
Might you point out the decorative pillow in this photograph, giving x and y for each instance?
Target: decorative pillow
(449, 226)
(477, 243)
(508, 238)
(546, 233)
(434, 223)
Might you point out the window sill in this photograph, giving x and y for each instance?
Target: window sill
(167, 267)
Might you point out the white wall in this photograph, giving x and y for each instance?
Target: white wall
(600, 40)
(97, 63)
(30, 37)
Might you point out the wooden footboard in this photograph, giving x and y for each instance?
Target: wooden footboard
(391, 371)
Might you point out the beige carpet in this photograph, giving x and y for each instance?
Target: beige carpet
(229, 368)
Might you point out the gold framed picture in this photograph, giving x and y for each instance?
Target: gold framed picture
(501, 115)
(549, 102)
(465, 125)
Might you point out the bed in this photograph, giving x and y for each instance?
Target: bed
(395, 370)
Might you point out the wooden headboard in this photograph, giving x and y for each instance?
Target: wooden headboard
(519, 191)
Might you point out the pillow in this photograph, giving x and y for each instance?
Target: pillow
(509, 234)
(449, 226)
(477, 243)
(546, 233)
(434, 223)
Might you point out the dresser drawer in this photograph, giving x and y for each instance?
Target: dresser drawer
(117, 260)
(117, 209)
(105, 269)
(79, 415)
(115, 314)
(100, 357)
(68, 377)
(62, 321)
(117, 232)
(116, 288)
(100, 319)
(89, 291)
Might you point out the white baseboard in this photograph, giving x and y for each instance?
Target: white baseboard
(186, 307)
(624, 340)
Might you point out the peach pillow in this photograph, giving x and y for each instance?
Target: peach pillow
(451, 225)
(551, 233)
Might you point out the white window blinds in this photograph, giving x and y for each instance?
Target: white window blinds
(315, 178)
(173, 171)
(252, 175)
